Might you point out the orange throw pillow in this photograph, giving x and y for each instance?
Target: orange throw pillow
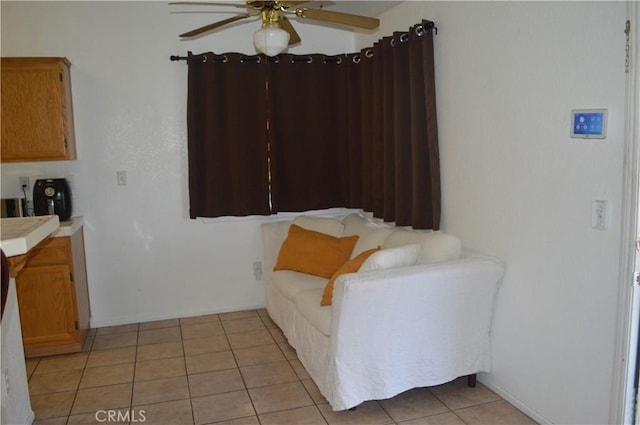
(350, 266)
(313, 252)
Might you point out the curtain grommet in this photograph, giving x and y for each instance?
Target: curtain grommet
(256, 59)
(368, 53)
(308, 59)
(404, 37)
(356, 59)
(419, 29)
(332, 59)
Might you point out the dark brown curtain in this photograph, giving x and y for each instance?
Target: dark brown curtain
(361, 128)
(316, 131)
(227, 135)
(309, 139)
(400, 171)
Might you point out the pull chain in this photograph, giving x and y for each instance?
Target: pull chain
(627, 47)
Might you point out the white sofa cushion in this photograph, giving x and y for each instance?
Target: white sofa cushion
(308, 305)
(327, 225)
(289, 283)
(372, 234)
(391, 258)
(435, 246)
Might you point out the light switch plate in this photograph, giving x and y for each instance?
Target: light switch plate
(599, 214)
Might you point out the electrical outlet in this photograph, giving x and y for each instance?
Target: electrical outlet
(5, 380)
(24, 183)
(257, 270)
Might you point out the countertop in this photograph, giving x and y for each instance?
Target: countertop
(69, 227)
(19, 234)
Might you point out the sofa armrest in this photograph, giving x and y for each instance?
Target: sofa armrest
(434, 298)
(431, 320)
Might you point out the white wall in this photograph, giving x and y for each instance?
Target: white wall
(517, 186)
(146, 259)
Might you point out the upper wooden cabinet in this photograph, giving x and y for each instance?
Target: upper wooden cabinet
(37, 112)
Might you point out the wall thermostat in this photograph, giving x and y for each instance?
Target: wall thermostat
(589, 123)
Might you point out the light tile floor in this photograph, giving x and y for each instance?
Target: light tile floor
(232, 368)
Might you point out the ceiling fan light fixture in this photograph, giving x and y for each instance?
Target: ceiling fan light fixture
(271, 39)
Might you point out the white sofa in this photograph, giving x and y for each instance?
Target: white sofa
(391, 330)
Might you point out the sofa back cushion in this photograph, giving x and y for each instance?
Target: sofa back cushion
(435, 246)
(327, 225)
(391, 258)
(350, 266)
(312, 252)
(371, 234)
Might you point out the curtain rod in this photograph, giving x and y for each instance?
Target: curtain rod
(254, 58)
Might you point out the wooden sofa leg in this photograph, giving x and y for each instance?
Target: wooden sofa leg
(471, 380)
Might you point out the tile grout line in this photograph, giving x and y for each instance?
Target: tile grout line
(135, 367)
(314, 403)
(186, 371)
(84, 368)
(244, 382)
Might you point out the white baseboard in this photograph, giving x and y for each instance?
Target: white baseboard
(513, 400)
(142, 319)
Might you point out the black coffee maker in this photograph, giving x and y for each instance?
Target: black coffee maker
(52, 196)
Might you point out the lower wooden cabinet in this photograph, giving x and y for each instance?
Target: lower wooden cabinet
(53, 297)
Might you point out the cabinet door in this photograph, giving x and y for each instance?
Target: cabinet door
(37, 117)
(47, 306)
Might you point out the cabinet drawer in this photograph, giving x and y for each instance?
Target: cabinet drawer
(51, 252)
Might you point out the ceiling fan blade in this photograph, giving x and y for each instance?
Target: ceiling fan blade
(339, 18)
(215, 25)
(287, 4)
(285, 24)
(196, 3)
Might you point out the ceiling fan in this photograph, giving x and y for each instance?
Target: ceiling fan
(277, 32)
